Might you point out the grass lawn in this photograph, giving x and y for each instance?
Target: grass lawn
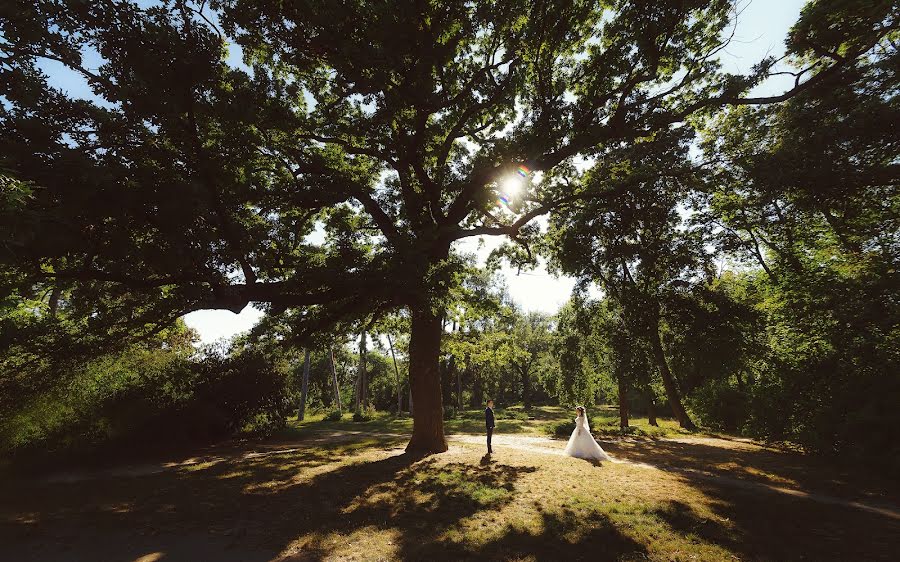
(540, 420)
(346, 491)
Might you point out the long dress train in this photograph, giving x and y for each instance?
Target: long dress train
(581, 443)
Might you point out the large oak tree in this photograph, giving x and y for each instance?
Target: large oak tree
(185, 181)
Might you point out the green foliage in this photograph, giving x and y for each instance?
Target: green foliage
(561, 429)
(150, 399)
(182, 181)
(584, 375)
(333, 415)
(364, 414)
(511, 414)
(719, 405)
(807, 192)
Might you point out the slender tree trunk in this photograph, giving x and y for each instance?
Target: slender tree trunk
(651, 410)
(672, 394)
(477, 390)
(425, 382)
(459, 386)
(396, 372)
(304, 388)
(526, 390)
(361, 375)
(54, 301)
(356, 396)
(364, 377)
(334, 378)
(448, 380)
(623, 402)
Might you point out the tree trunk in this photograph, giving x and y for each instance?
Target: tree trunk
(396, 372)
(672, 394)
(425, 382)
(526, 391)
(364, 375)
(304, 388)
(356, 396)
(477, 390)
(623, 403)
(361, 375)
(651, 410)
(54, 301)
(448, 377)
(459, 386)
(337, 388)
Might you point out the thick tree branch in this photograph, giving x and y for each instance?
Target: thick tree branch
(514, 228)
(120, 278)
(384, 223)
(471, 111)
(351, 148)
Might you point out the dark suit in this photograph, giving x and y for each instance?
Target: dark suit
(489, 425)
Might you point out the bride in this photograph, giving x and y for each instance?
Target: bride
(582, 444)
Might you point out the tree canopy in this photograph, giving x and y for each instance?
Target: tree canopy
(188, 181)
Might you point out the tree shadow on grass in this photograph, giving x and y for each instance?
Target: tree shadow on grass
(740, 460)
(233, 509)
(421, 503)
(302, 503)
(744, 486)
(253, 509)
(686, 521)
(776, 528)
(428, 499)
(561, 536)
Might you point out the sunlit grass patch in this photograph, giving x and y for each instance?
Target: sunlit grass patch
(514, 419)
(198, 466)
(485, 489)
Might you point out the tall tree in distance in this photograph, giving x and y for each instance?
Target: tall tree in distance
(531, 341)
(636, 249)
(304, 386)
(362, 382)
(186, 182)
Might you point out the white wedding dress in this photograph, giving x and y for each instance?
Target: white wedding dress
(582, 445)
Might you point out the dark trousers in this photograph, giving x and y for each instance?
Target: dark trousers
(490, 431)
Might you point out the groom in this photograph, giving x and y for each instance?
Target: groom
(489, 423)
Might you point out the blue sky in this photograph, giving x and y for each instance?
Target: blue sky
(761, 29)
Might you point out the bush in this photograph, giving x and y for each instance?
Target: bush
(561, 429)
(512, 415)
(333, 416)
(635, 431)
(719, 406)
(145, 399)
(263, 425)
(364, 415)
